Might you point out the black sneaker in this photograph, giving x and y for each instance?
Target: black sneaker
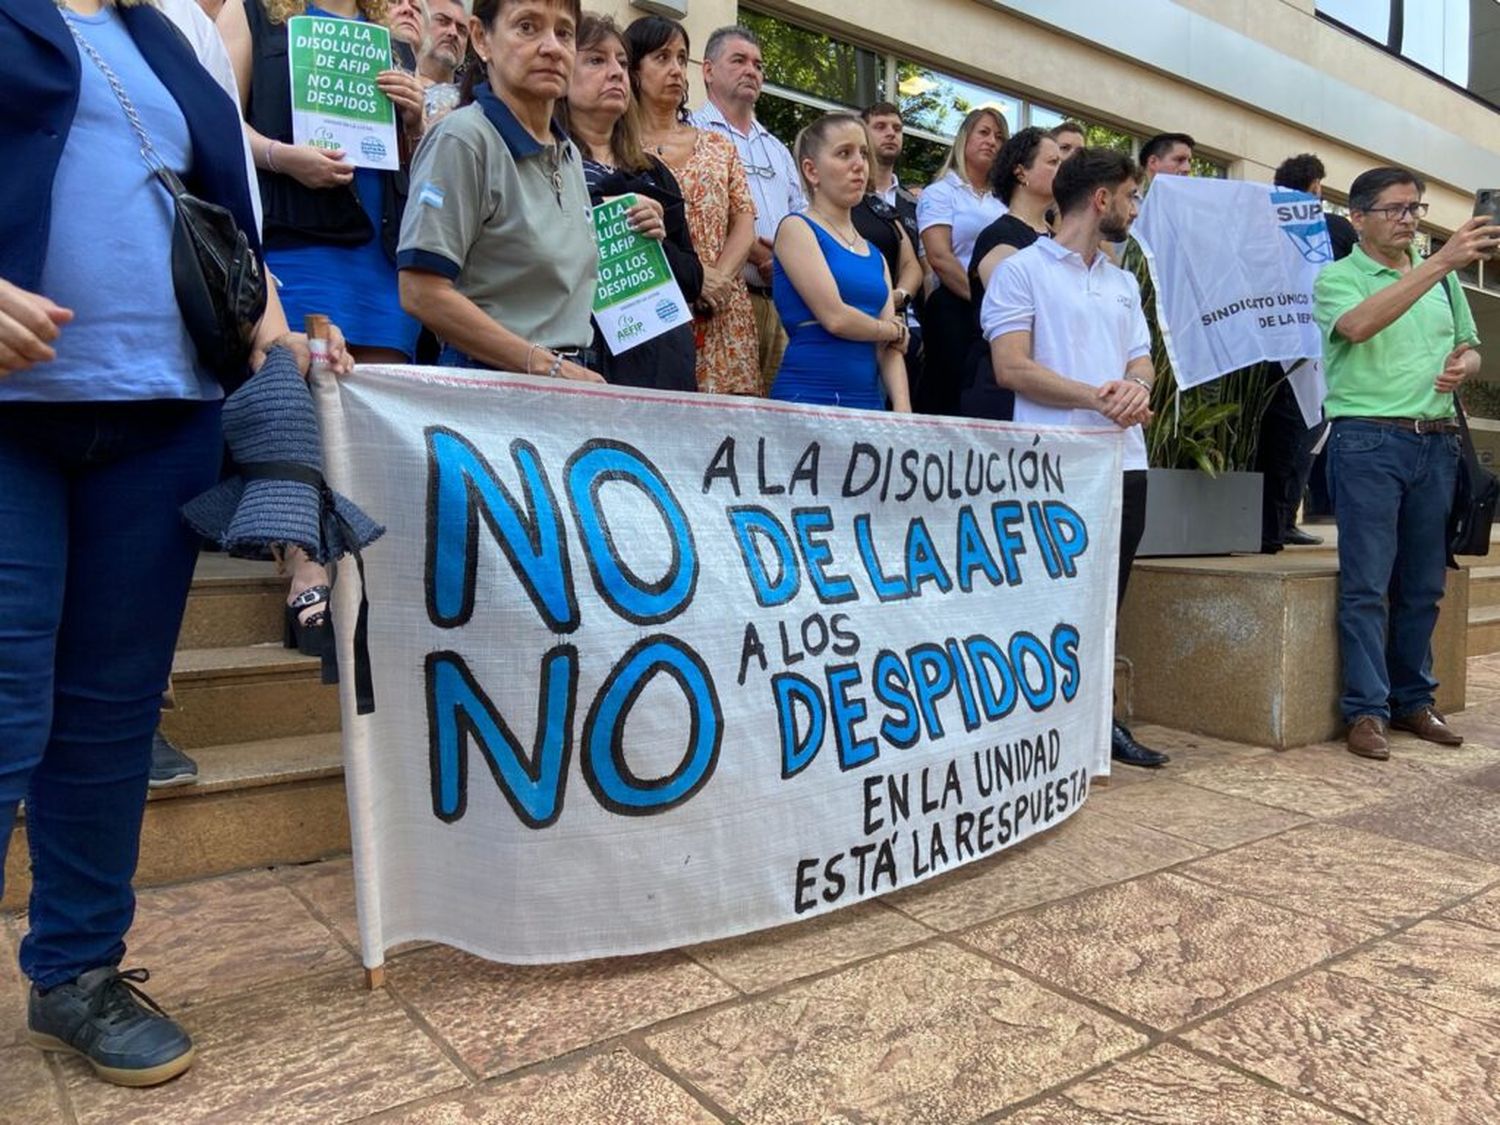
(169, 765)
(103, 1017)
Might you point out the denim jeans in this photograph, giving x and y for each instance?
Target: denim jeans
(95, 563)
(1392, 490)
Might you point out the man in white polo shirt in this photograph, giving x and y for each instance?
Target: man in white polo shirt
(1067, 335)
(734, 73)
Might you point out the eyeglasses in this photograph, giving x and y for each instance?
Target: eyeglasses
(1397, 211)
(764, 171)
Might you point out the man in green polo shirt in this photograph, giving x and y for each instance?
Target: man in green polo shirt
(1398, 340)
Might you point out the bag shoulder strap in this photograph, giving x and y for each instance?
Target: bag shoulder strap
(1448, 283)
(154, 162)
(148, 150)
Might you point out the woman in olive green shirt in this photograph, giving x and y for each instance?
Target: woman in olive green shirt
(497, 251)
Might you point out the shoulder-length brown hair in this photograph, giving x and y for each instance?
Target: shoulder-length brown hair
(594, 31)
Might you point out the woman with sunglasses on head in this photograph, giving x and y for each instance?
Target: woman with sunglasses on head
(1021, 178)
(950, 214)
(831, 286)
(600, 115)
(720, 213)
(497, 248)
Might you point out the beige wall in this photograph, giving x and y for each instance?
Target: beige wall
(978, 39)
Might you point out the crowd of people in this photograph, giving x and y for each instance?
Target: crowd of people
(814, 276)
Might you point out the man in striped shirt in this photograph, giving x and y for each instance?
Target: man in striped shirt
(734, 73)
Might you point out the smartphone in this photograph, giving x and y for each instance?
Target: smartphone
(1487, 203)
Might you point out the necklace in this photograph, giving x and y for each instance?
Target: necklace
(658, 145)
(850, 240)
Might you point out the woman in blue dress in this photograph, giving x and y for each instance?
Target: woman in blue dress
(831, 287)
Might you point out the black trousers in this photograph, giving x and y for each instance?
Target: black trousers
(947, 324)
(1132, 526)
(1285, 461)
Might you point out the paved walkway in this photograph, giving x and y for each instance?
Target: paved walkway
(1245, 937)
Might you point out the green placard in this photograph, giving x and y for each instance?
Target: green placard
(629, 265)
(334, 64)
(637, 298)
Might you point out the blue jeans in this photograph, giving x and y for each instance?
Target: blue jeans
(95, 563)
(1392, 490)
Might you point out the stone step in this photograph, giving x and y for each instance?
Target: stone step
(1484, 630)
(255, 804)
(248, 693)
(1484, 586)
(233, 602)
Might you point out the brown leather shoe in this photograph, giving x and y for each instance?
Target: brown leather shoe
(1367, 738)
(1427, 724)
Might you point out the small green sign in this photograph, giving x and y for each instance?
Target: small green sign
(628, 263)
(637, 298)
(335, 101)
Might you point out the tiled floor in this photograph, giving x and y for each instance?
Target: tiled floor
(1244, 937)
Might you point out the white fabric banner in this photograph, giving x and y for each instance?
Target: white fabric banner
(1233, 264)
(652, 669)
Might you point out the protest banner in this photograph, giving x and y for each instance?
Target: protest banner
(1233, 263)
(335, 101)
(638, 298)
(651, 669)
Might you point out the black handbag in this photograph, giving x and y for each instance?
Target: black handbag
(1476, 490)
(220, 287)
(217, 277)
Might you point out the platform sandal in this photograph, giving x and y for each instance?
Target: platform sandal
(310, 635)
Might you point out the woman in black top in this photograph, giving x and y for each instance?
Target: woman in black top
(600, 116)
(1022, 177)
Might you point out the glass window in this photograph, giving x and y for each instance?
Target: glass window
(1094, 134)
(920, 160)
(809, 73)
(1044, 118)
(1371, 18)
(817, 64)
(1458, 40)
(785, 116)
(1208, 168)
(1435, 35)
(938, 102)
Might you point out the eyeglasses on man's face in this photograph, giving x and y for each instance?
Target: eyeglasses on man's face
(1395, 212)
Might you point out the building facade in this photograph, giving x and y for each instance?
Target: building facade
(1359, 82)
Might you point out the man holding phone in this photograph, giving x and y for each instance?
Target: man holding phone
(1398, 341)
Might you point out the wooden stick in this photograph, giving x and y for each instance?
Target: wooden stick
(375, 978)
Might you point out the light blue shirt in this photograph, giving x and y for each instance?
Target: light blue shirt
(109, 247)
(772, 173)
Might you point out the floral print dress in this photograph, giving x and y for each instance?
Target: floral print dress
(714, 187)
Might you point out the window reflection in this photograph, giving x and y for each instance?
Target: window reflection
(809, 72)
(938, 102)
(1458, 40)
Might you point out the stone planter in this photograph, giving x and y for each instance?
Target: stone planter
(1191, 513)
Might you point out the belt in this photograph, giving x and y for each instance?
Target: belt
(759, 290)
(1414, 425)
